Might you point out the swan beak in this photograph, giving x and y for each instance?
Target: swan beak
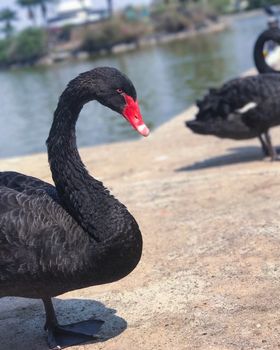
(132, 114)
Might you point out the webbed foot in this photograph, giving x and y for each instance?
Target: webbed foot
(60, 337)
(275, 158)
(268, 145)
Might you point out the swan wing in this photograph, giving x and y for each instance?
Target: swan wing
(35, 244)
(27, 184)
(264, 115)
(243, 93)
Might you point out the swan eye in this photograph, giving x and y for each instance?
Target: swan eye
(120, 91)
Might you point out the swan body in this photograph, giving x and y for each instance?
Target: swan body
(241, 109)
(54, 239)
(65, 261)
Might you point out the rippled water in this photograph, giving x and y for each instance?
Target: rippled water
(168, 79)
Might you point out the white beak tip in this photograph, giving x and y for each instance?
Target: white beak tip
(143, 130)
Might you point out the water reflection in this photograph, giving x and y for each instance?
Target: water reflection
(168, 79)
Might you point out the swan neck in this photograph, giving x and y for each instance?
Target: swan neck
(82, 196)
(73, 183)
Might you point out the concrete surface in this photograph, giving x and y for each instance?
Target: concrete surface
(210, 273)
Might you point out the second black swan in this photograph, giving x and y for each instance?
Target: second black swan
(54, 239)
(242, 108)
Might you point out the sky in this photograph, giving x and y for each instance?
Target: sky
(22, 15)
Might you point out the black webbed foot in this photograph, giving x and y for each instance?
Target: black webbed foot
(267, 145)
(60, 337)
(264, 146)
(275, 158)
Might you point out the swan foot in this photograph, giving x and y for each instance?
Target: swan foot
(264, 146)
(60, 337)
(275, 158)
(271, 150)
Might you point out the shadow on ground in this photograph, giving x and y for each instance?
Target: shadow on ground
(236, 155)
(22, 321)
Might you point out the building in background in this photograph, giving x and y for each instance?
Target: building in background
(75, 13)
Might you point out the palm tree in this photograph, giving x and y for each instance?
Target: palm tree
(44, 7)
(110, 7)
(8, 16)
(29, 5)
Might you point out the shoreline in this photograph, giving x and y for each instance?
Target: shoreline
(245, 14)
(157, 39)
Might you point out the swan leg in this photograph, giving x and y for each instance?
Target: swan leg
(264, 145)
(272, 151)
(60, 337)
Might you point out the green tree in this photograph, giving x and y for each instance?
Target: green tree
(25, 47)
(220, 5)
(8, 16)
(4, 52)
(260, 3)
(28, 46)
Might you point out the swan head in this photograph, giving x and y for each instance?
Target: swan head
(115, 90)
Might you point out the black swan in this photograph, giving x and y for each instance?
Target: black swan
(76, 234)
(269, 41)
(242, 108)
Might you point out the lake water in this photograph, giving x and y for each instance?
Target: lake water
(168, 79)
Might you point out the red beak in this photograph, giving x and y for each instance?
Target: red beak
(132, 114)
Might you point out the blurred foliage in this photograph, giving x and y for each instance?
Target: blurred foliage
(7, 16)
(220, 6)
(133, 24)
(114, 31)
(30, 44)
(173, 17)
(260, 3)
(4, 52)
(25, 48)
(171, 21)
(181, 15)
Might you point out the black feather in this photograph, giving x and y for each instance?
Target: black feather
(219, 112)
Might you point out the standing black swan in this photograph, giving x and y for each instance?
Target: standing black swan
(76, 234)
(242, 108)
